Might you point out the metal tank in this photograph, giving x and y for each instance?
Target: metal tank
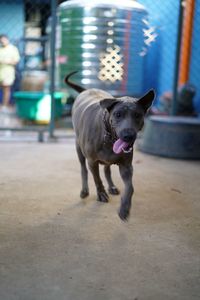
(104, 41)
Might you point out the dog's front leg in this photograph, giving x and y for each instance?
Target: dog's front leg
(112, 189)
(102, 196)
(126, 172)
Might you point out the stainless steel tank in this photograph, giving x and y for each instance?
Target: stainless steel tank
(104, 41)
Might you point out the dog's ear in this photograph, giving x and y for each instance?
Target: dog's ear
(108, 103)
(146, 101)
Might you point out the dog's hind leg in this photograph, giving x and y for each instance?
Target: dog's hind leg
(102, 196)
(84, 173)
(112, 189)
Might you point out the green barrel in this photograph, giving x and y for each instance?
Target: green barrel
(102, 40)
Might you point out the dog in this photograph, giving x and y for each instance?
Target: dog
(106, 128)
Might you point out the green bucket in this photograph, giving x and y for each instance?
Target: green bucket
(36, 106)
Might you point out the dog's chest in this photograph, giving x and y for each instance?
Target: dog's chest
(106, 156)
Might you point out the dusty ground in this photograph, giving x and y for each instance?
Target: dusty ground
(55, 246)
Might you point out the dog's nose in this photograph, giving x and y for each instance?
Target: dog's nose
(128, 136)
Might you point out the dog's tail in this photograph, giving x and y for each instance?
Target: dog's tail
(75, 86)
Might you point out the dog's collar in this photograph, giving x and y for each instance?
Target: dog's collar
(108, 130)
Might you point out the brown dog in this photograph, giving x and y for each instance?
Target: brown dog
(106, 129)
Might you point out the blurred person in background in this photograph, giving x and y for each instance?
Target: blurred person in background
(9, 58)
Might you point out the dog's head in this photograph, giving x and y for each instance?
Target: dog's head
(126, 118)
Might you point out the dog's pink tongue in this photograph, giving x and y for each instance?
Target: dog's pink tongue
(119, 145)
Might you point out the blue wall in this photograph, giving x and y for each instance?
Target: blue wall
(160, 58)
(12, 21)
(195, 56)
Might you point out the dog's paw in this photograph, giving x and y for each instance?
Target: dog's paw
(113, 190)
(102, 197)
(124, 212)
(84, 193)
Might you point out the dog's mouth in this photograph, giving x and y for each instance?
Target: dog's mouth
(120, 146)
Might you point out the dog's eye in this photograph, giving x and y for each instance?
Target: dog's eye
(137, 115)
(118, 114)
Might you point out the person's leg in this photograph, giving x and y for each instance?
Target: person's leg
(6, 95)
(1, 90)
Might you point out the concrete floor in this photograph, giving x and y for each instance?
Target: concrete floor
(55, 246)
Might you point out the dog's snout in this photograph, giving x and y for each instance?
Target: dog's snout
(128, 136)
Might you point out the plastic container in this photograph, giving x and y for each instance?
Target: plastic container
(36, 106)
(172, 136)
